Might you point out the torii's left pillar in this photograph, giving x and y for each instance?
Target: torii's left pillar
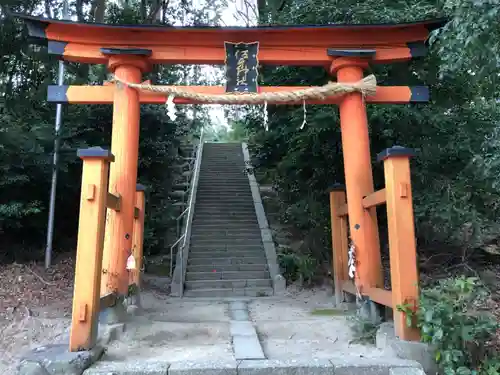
(127, 66)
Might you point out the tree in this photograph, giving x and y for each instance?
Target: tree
(455, 205)
(27, 135)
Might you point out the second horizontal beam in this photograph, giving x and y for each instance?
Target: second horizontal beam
(104, 94)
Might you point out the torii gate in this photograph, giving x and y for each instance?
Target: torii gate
(344, 50)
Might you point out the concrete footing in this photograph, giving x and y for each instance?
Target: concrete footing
(410, 350)
(57, 360)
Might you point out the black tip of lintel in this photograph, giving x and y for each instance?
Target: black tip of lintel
(417, 49)
(395, 151)
(337, 187)
(419, 94)
(57, 94)
(369, 53)
(127, 51)
(56, 48)
(36, 30)
(140, 187)
(95, 152)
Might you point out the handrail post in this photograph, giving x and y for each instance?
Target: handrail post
(138, 238)
(402, 244)
(89, 250)
(339, 240)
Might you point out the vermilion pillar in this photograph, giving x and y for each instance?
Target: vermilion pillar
(123, 172)
(358, 175)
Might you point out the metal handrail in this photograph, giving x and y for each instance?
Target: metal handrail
(189, 211)
(178, 226)
(172, 253)
(194, 180)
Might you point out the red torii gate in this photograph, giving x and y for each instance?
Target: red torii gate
(130, 50)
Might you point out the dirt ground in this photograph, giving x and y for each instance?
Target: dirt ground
(35, 308)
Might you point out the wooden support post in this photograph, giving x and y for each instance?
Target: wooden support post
(402, 244)
(123, 173)
(358, 176)
(89, 248)
(138, 236)
(339, 240)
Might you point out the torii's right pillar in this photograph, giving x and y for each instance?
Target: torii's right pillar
(358, 175)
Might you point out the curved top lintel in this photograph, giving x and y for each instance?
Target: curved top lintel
(39, 27)
(292, 45)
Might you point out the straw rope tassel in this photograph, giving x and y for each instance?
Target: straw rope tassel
(266, 125)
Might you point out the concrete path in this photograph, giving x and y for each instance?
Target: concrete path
(243, 336)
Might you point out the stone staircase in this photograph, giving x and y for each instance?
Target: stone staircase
(226, 252)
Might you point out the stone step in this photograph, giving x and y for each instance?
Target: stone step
(228, 238)
(227, 284)
(208, 242)
(225, 232)
(200, 245)
(239, 292)
(223, 188)
(215, 181)
(226, 261)
(218, 168)
(223, 206)
(216, 186)
(227, 275)
(227, 215)
(206, 203)
(234, 176)
(223, 222)
(213, 254)
(234, 179)
(235, 206)
(221, 229)
(224, 209)
(227, 267)
(234, 195)
(229, 246)
(223, 200)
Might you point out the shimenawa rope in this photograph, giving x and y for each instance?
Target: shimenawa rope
(367, 86)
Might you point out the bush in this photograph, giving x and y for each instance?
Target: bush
(452, 319)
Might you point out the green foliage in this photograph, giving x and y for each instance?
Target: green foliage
(27, 132)
(457, 205)
(450, 318)
(297, 267)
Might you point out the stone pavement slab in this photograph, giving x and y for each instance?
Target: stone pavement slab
(137, 367)
(286, 367)
(283, 335)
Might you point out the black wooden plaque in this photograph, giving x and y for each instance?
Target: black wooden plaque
(241, 67)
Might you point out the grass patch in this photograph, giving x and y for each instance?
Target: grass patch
(328, 312)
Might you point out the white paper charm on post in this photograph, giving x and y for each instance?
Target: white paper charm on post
(131, 263)
(351, 263)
